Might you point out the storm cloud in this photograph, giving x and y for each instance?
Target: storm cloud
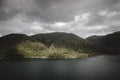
(82, 17)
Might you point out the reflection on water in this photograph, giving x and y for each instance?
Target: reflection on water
(93, 68)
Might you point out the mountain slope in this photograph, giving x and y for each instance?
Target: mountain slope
(57, 45)
(8, 45)
(41, 45)
(108, 44)
(59, 39)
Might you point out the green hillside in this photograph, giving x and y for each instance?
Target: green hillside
(54, 45)
(38, 50)
(57, 45)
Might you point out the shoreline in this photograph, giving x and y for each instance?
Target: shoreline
(55, 58)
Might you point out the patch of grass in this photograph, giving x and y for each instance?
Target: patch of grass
(29, 49)
(38, 50)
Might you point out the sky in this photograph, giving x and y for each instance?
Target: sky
(81, 17)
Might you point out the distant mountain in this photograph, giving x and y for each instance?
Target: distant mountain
(57, 44)
(108, 44)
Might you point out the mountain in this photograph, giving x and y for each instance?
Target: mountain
(57, 45)
(60, 39)
(8, 45)
(13, 38)
(108, 44)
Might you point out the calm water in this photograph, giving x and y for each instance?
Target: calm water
(93, 68)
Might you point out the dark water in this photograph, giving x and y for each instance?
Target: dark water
(93, 68)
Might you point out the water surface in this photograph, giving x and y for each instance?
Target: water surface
(92, 68)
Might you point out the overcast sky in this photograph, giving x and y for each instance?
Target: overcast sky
(82, 17)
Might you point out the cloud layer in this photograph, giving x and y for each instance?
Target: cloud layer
(82, 17)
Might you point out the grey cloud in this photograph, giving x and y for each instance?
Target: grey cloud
(95, 19)
(108, 18)
(49, 12)
(53, 10)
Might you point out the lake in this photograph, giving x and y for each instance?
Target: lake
(92, 68)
